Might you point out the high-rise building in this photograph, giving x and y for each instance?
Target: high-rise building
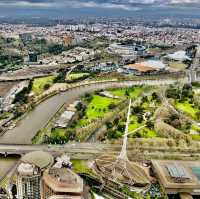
(33, 57)
(61, 183)
(28, 181)
(29, 173)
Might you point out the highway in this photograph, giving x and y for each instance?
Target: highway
(91, 150)
(39, 117)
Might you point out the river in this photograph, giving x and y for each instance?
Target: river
(28, 127)
(40, 115)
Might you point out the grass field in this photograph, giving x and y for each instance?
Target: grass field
(145, 132)
(177, 65)
(134, 92)
(58, 133)
(186, 107)
(80, 166)
(39, 84)
(74, 76)
(196, 137)
(97, 108)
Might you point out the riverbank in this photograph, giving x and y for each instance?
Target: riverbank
(35, 119)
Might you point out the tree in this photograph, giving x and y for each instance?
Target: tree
(198, 115)
(137, 109)
(55, 49)
(112, 105)
(60, 78)
(47, 86)
(127, 93)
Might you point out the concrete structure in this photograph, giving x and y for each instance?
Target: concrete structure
(178, 176)
(29, 172)
(194, 72)
(33, 57)
(146, 67)
(178, 56)
(58, 182)
(10, 96)
(127, 51)
(64, 119)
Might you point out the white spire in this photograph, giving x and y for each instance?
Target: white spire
(123, 154)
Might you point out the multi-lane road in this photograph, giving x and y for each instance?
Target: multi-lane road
(92, 150)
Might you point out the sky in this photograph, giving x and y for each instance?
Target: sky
(71, 8)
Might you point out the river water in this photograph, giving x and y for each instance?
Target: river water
(28, 127)
(38, 118)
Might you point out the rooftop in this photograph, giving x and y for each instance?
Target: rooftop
(135, 175)
(63, 180)
(178, 176)
(40, 159)
(141, 67)
(64, 197)
(179, 56)
(177, 171)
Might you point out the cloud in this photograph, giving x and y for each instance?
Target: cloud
(67, 3)
(127, 5)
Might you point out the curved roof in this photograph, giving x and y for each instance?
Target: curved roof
(39, 158)
(133, 174)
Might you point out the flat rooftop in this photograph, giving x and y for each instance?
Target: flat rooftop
(5, 87)
(178, 176)
(63, 180)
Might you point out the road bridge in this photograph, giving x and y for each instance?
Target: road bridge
(91, 150)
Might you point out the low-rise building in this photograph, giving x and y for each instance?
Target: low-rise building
(147, 67)
(178, 177)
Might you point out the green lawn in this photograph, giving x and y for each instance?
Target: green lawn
(58, 133)
(97, 108)
(74, 76)
(145, 132)
(187, 108)
(177, 65)
(195, 128)
(195, 137)
(134, 92)
(39, 84)
(134, 124)
(80, 166)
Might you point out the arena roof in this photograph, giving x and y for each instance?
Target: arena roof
(141, 67)
(39, 158)
(133, 175)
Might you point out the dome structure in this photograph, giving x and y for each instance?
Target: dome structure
(40, 159)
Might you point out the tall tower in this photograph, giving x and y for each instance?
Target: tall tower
(28, 182)
(123, 155)
(119, 169)
(195, 66)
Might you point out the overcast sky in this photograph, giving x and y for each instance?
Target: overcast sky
(102, 7)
